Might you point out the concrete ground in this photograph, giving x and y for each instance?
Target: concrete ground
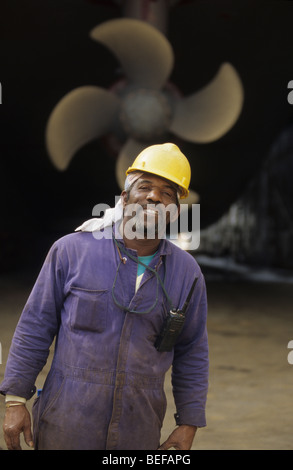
(251, 380)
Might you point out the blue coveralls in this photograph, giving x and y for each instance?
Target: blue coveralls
(105, 388)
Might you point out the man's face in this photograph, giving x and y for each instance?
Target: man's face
(150, 205)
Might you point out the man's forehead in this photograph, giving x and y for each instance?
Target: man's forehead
(150, 178)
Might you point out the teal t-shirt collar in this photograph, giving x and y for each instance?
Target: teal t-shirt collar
(145, 260)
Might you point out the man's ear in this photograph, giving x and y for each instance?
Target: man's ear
(124, 198)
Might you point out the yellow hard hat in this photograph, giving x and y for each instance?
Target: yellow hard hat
(167, 161)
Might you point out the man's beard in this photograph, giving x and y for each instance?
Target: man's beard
(147, 221)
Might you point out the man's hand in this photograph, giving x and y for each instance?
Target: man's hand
(180, 439)
(17, 420)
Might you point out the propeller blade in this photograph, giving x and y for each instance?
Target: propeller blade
(145, 54)
(208, 114)
(129, 151)
(82, 115)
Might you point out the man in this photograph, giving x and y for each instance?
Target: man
(104, 294)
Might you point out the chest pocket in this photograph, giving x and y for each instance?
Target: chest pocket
(88, 309)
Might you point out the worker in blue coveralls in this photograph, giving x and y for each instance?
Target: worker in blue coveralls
(105, 294)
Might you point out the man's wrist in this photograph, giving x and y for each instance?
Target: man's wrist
(15, 398)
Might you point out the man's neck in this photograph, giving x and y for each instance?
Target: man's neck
(144, 246)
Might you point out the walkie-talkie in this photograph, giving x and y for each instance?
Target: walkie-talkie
(173, 325)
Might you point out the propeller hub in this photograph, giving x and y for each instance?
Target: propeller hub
(145, 114)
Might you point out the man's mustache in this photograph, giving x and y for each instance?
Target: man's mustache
(159, 209)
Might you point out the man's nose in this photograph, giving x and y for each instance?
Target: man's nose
(154, 196)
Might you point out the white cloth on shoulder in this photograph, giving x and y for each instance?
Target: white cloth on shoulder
(111, 215)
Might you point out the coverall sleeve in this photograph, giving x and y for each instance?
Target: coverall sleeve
(191, 362)
(36, 329)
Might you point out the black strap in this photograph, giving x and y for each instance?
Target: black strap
(159, 281)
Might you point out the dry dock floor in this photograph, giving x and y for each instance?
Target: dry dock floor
(249, 403)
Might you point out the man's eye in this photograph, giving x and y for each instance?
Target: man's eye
(168, 195)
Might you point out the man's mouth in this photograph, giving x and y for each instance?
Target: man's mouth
(151, 211)
(152, 214)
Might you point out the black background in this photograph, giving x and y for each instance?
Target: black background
(45, 51)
